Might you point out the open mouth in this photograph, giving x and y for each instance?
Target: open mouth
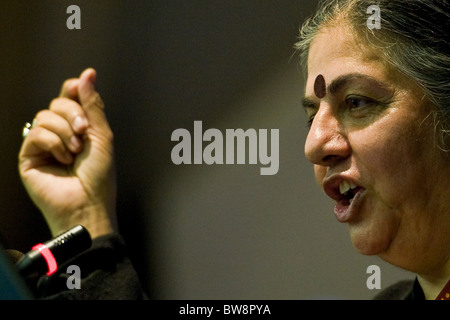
(348, 195)
(348, 192)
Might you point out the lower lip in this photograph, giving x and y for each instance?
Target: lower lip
(345, 211)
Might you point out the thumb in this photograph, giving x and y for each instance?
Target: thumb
(91, 101)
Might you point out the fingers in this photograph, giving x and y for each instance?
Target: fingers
(92, 103)
(82, 90)
(59, 125)
(69, 89)
(43, 145)
(57, 131)
(72, 112)
(78, 111)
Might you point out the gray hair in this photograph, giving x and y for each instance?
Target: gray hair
(413, 39)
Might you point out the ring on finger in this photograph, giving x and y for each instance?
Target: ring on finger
(27, 127)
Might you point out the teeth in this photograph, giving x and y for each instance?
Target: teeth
(345, 186)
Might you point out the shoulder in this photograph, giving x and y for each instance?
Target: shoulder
(401, 290)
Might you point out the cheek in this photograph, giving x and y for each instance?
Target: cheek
(396, 162)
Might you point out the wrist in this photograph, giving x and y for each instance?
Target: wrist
(97, 220)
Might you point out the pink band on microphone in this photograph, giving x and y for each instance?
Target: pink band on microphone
(48, 256)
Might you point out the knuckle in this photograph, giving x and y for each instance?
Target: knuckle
(67, 83)
(60, 101)
(55, 145)
(96, 100)
(55, 103)
(66, 107)
(41, 114)
(34, 134)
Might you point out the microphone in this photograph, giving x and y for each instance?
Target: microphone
(45, 257)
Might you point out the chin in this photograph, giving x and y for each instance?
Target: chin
(368, 243)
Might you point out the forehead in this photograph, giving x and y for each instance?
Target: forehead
(336, 51)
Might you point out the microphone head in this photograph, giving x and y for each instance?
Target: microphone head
(47, 256)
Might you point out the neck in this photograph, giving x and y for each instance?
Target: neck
(433, 283)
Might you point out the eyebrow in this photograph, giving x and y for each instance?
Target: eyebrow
(337, 84)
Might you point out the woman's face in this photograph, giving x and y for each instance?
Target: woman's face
(373, 146)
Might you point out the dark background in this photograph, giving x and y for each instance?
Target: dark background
(192, 231)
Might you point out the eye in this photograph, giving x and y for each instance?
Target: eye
(311, 109)
(310, 121)
(358, 102)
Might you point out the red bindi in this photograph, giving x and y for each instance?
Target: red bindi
(320, 89)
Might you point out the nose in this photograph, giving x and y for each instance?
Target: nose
(326, 143)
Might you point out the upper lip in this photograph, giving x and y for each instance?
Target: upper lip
(331, 185)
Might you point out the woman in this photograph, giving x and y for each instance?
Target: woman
(378, 107)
